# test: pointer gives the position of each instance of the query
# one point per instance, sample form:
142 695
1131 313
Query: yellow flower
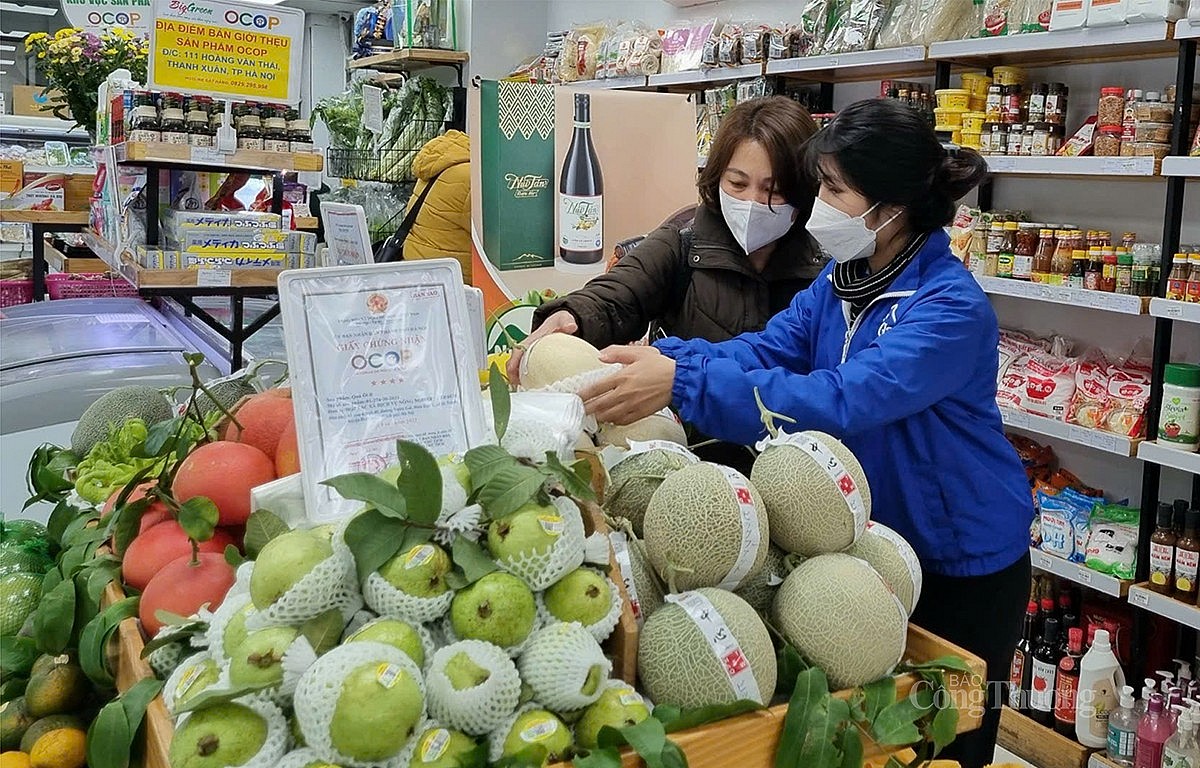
41 54
64 32
110 51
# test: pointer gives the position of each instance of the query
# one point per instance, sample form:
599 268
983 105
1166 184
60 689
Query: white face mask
842 236
753 224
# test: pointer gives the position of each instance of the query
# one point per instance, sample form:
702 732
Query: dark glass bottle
1067 684
581 194
1046 656
1021 670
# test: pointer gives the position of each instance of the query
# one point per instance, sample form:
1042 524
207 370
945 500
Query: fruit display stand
1042 746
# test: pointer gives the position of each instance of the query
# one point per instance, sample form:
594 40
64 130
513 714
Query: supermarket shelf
1154 453
1073 166
1181 166
406 59
1175 310
1059 294
1187 30
43 217
1070 46
859 65
60 262
244 159
1175 610
609 83
1101 582
1072 433
702 77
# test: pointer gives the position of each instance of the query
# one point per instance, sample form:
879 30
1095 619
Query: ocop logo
247 19
377 360
119 18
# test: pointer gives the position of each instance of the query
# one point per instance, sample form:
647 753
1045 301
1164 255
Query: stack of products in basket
1007 244
1074 521
1071 14
1083 386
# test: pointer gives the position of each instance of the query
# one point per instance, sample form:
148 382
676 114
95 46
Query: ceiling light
34 10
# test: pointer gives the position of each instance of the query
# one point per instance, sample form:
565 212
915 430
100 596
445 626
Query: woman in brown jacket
743 259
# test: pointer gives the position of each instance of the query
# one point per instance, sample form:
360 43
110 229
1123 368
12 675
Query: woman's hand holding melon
641 388
561 321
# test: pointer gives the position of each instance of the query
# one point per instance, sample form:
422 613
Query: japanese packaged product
683 45
756 40
853 25
1112 544
1069 14
1089 405
1049 384
813 27
1065 520
1129 393
1010 391
729 46
1156 10
580 50
1105 13
1031 15
996 18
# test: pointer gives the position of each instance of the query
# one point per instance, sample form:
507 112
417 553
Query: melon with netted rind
633 480
656 426
677 665
816 493
894 559
706 526
760 591
838 612
556 357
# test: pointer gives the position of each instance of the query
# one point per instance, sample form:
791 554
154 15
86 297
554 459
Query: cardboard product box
216 240
28 100
517 173
20 191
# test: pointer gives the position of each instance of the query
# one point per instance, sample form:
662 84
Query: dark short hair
782 127
889 154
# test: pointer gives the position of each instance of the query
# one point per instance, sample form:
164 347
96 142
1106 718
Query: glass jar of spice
1178 279
1013 103
1108 278
1079 264
1060 263
1095 269
994 106
174 127
1037 102
1111 109
275 129
1043 256
143 125
1006 258
1107 142
1024 251
1124 272
1056 104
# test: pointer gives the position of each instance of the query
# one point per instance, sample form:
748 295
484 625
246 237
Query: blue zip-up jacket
909 387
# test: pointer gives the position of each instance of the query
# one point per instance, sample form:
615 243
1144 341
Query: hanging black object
392 249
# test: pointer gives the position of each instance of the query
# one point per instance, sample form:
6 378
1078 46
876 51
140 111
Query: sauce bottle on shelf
1125 274
977 251
1095 270
995 240
1021 669
1162 552
1006 258
1178 279
1043 257
1079 264
1108 278
1066 612
1043 681
1122 730
1067 684
1193 283
1187 558
1060 262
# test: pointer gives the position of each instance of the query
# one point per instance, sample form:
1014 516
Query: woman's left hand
639 390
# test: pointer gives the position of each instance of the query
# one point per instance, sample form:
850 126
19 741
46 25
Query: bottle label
581 223
249 142
1174 758
1162 557
1041 694
200 140
276 145
1186 565
1176 289
1096 703
1193 291
1004 265
1179 419
1120 743
175 137
143 136
1022 267
1064 696
1149 754
1016 673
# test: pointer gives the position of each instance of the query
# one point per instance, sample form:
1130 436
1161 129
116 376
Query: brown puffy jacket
716 296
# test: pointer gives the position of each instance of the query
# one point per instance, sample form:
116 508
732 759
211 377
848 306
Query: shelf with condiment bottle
1121 303
1130 167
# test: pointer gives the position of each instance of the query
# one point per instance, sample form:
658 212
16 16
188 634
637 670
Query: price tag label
214 278
1083 576
207 155
373 108
833 62
1001 165
1042 560
1174 309
1139 597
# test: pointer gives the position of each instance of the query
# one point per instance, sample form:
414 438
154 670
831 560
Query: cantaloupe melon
635 478
760 591
816 493
556 357
706 526
641 583
840 615
894 559
656 426
678 666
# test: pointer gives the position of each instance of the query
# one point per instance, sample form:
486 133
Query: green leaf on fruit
93 641
212 696
160 439
137 700
851 748
198 518
168 619
810 692
472 559
533 756
374 538
110 739
126 521
878 696
501 400
261 527
944 727
60 518
485 461
943 663
55 618
510 489
896 725
609 757
372 489
648 739
180 633
325 631
17 655
234 557
675 719
420 482
573 482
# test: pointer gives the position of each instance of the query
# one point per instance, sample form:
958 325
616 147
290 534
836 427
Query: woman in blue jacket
893 351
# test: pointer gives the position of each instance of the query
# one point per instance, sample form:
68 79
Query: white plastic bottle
1122 730
1181 750
1100 680
117 80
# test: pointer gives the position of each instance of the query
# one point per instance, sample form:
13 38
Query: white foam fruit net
479 710
330 584
386 600
601 629
299 758
215 635
276 744
541 569
556 664
241 581
321 685
497 738
181 681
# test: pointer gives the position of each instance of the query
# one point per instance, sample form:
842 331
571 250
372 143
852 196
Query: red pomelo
183 587
151 551
224 472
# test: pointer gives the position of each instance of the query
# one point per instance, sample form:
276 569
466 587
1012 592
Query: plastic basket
88 286
14 292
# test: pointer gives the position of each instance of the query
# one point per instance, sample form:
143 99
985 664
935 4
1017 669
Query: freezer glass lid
38 340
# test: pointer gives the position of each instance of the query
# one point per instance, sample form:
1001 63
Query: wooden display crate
1042 746
74 265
